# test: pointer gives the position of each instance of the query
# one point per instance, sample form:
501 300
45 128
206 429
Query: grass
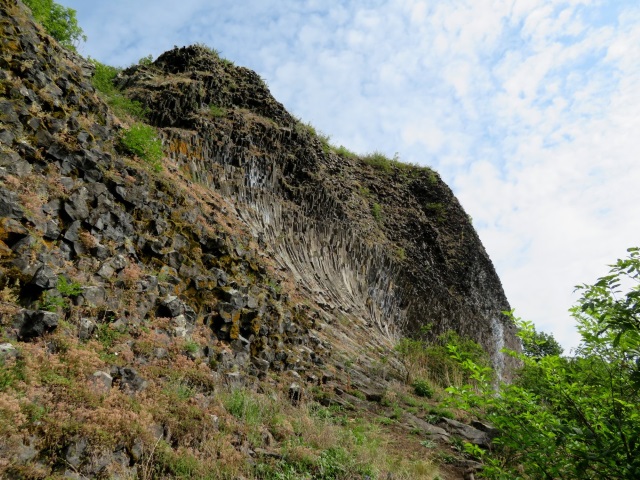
217 111
142 140
376 211
103 81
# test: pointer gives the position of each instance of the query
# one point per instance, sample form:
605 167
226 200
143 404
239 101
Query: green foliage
539 344
51 302
103 77
422 388
68 289
146 61
344 152
573 417
59 21
217 111
376 211
103 80
439 210
378 160
142 140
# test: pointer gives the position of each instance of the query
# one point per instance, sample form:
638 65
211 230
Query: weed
438 209
376 211
142 140
191 347
378 160
428 444
344 152
146 61
51 302
217 111
422 388
103 81
68 289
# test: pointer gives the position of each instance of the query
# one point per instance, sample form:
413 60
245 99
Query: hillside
217 309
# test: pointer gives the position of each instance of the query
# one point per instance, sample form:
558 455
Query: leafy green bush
103 81
576 417
376 211
422 388
142 140
68 289
60 22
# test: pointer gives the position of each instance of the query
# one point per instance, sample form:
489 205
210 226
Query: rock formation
258 244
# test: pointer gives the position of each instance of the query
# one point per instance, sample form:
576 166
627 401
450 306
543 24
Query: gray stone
92 296
7 350
261 364
102 381
76 207
86 329
74 452
32 324
172 307
295 393
45 278
426 428
467 432
130 381
9 204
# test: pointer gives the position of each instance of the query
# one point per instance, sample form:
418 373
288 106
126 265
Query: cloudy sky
529 109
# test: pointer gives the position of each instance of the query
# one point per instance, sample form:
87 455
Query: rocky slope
257 248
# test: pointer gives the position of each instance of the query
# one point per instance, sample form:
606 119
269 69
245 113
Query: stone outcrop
258 248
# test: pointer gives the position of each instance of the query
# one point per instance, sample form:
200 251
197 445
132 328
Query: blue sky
529 109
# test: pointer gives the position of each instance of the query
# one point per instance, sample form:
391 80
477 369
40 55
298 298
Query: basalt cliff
254 255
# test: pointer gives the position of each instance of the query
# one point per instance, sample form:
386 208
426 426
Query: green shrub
68 289
376 211
572 417
422 388
344 152
103 77
142 140
60 22
378 160
217 111
103 81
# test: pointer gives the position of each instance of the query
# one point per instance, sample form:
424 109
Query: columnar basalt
312 208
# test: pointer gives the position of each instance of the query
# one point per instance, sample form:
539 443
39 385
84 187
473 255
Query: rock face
390 246
415 261
258 247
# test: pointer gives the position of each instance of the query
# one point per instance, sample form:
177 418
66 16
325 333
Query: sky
528 109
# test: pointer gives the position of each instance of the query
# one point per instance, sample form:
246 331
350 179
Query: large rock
32 324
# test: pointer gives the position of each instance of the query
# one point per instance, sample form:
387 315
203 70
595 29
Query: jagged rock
128 379
86 329
102 381
172 306
467 432
32 324
9 205
92 296
45 278
7 350
295 393
426 428
74 452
